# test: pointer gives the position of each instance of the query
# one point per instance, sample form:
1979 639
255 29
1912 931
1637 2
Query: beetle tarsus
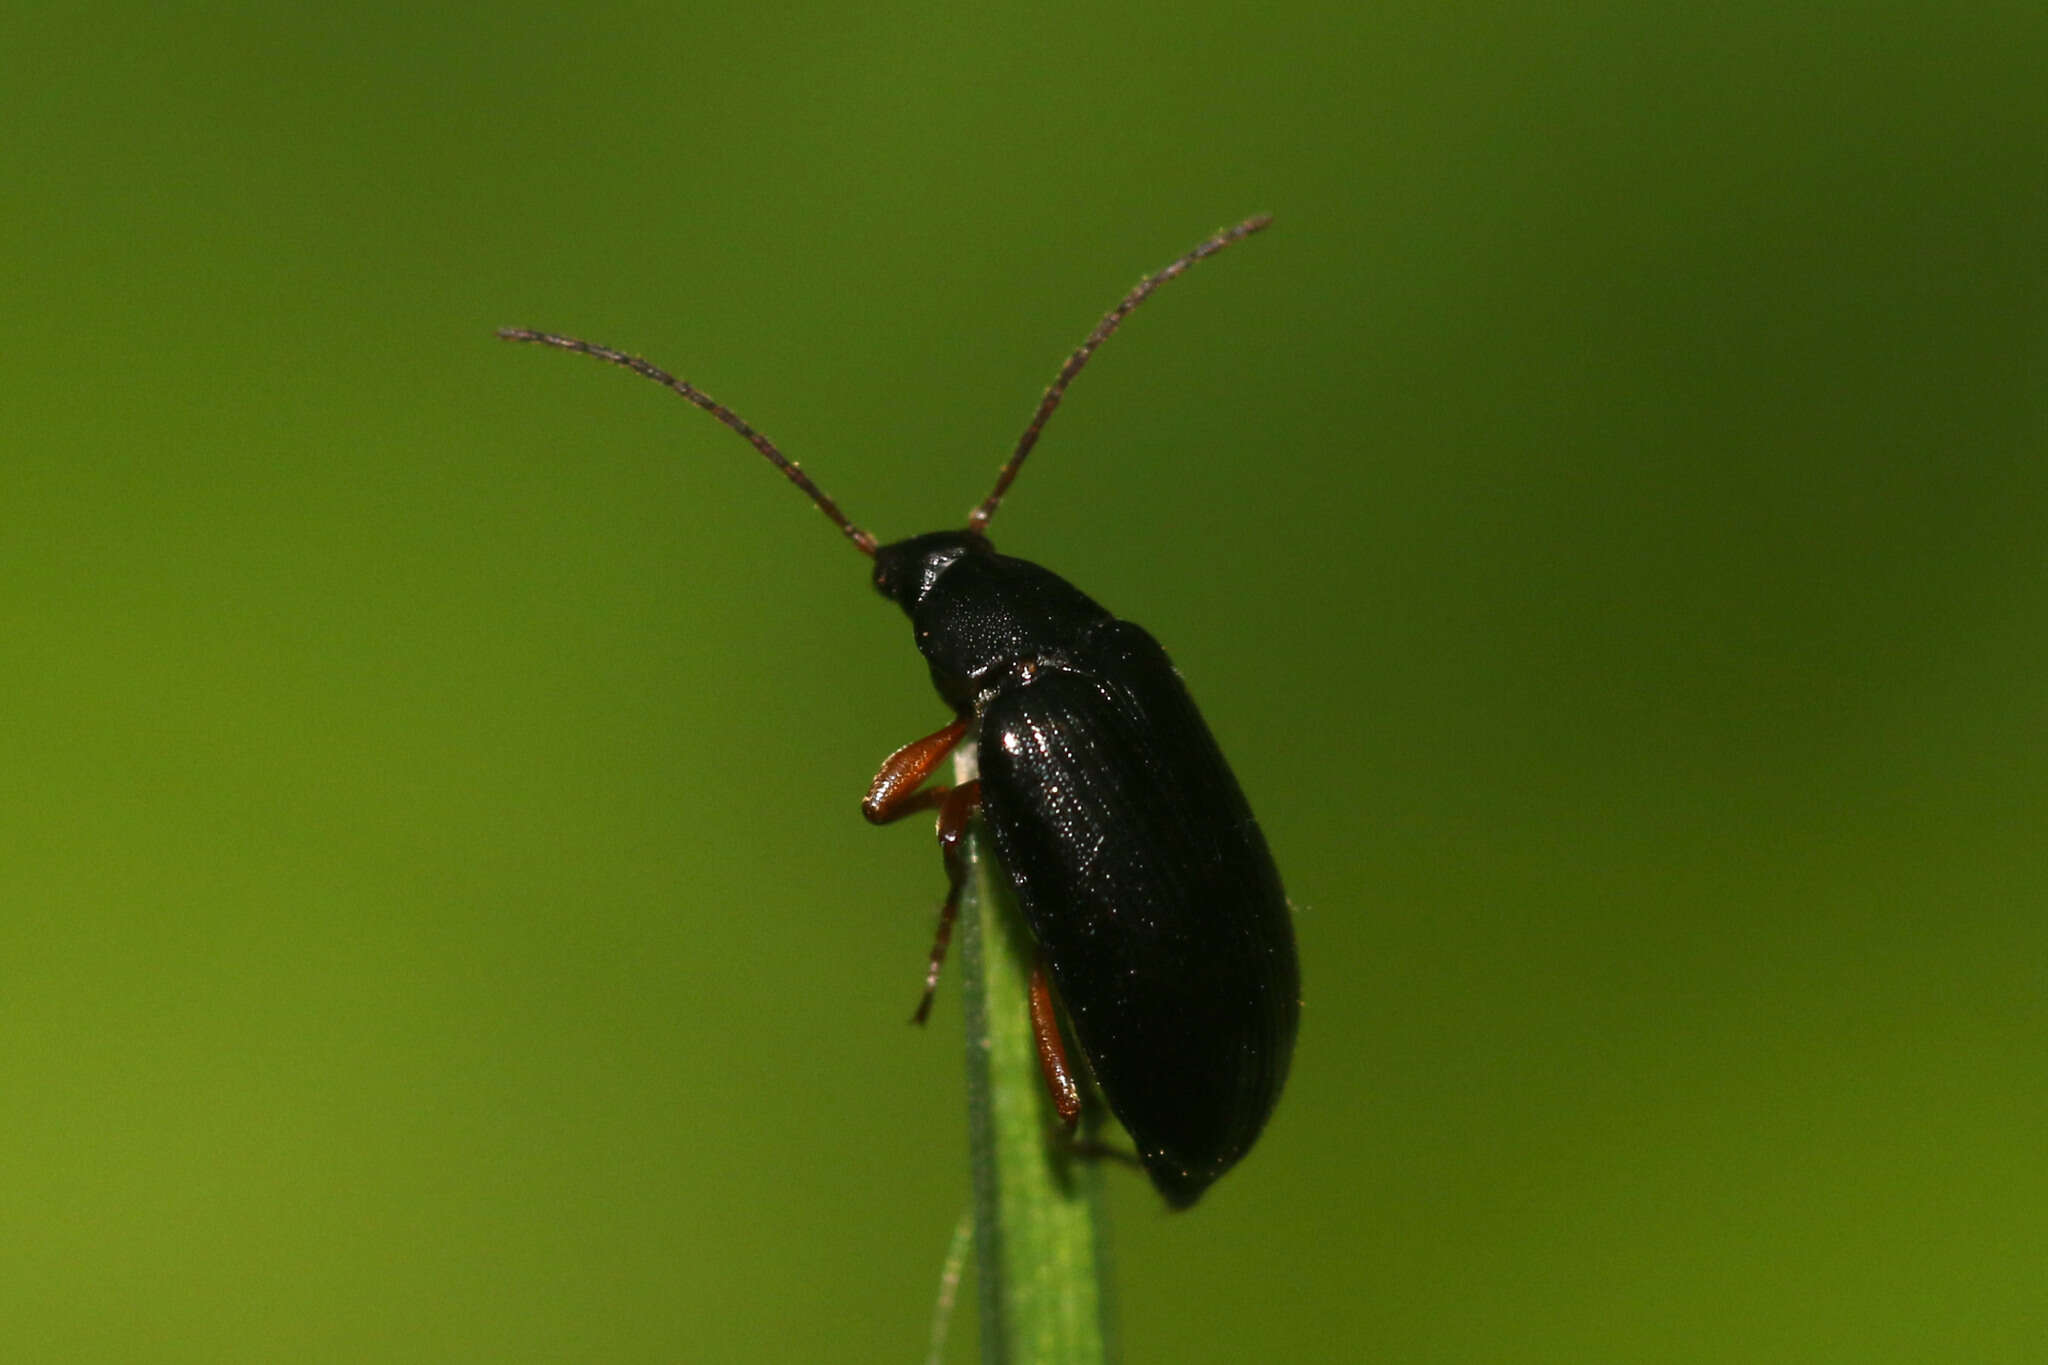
957 808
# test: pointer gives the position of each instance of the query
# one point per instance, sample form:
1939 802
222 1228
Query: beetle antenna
791 470
978 520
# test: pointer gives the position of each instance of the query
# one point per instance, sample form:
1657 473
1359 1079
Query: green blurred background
1603 519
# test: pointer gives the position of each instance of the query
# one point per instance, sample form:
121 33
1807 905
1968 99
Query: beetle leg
957 806
894 792
898 790
1052 1054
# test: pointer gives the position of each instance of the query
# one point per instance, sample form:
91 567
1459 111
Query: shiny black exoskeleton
1136 861
1147 886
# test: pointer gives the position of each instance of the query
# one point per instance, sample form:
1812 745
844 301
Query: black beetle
1148 888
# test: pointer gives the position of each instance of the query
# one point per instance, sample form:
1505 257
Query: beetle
1153 901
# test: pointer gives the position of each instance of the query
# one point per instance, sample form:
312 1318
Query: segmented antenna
978 520
792 471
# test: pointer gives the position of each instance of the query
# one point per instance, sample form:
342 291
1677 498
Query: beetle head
906 570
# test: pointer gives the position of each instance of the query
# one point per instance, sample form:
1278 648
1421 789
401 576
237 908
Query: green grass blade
1041 1260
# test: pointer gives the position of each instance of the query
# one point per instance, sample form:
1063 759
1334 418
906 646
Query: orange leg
894 792
898 790
1052 1054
